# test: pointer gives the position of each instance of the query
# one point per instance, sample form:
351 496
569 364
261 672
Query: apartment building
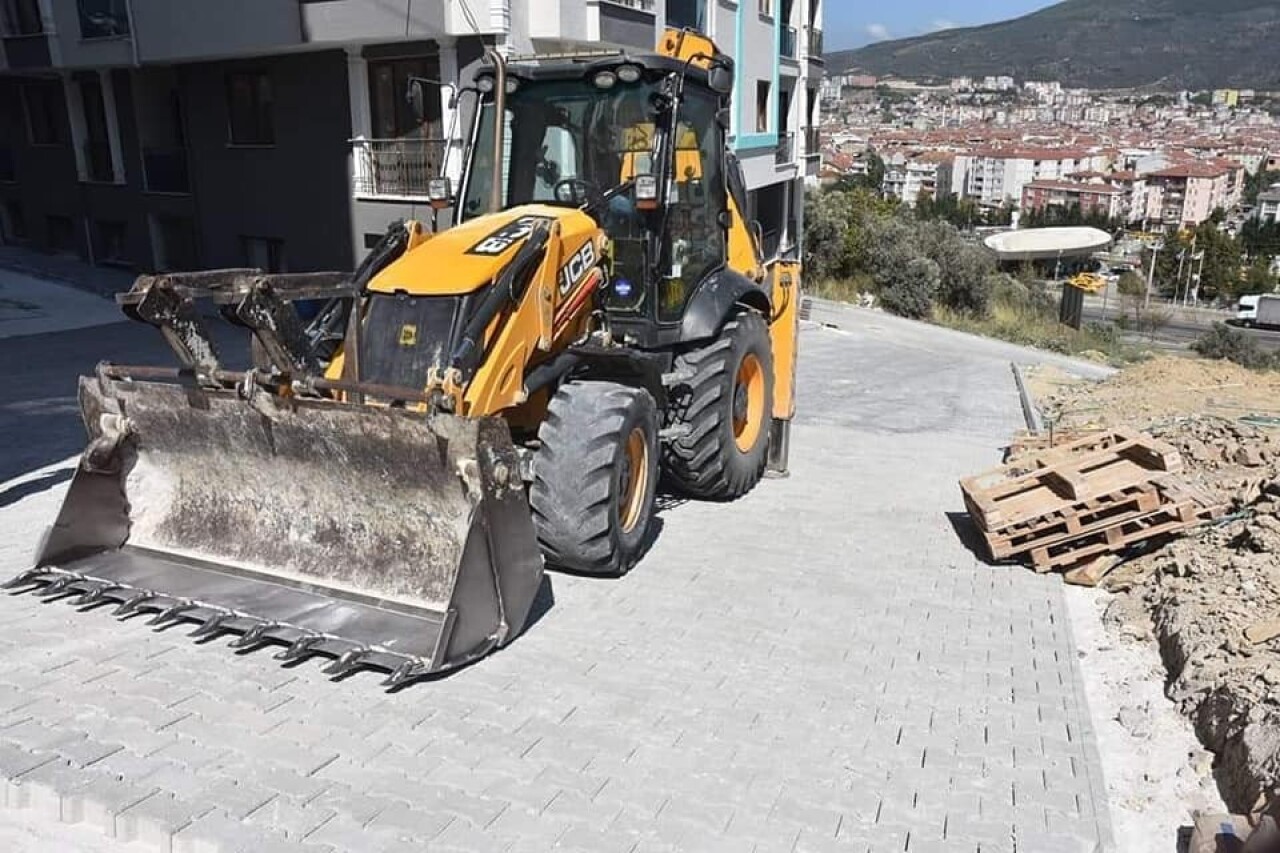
169 134
997 176
1187 194
907 178
1090 198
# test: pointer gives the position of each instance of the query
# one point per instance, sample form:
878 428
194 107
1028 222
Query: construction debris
1069 506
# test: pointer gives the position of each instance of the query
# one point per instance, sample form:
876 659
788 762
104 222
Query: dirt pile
1211 599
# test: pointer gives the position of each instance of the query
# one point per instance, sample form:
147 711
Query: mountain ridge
1098 44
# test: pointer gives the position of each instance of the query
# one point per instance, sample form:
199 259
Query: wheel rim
634 480
748 403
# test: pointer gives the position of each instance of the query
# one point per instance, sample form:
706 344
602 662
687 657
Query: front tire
726 407
594 477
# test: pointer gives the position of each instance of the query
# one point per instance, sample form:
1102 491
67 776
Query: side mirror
417 98
720 78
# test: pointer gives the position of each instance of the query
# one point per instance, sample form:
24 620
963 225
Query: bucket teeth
26 578
213 624
173 611
405 672
346 662
132 603
94 594
255 636
299 648
58 586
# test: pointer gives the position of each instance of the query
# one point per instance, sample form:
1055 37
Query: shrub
909 290
1225 343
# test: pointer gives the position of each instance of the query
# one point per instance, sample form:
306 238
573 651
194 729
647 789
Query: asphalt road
1183 329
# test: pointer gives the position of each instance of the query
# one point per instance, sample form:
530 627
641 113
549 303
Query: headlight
628 73
485 83
605 80
512 84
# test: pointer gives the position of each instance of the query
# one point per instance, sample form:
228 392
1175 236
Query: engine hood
467 257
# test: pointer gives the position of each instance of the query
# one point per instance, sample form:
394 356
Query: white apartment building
997 176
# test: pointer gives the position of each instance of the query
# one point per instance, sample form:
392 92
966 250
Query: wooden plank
1092 572
1163 522
1057 529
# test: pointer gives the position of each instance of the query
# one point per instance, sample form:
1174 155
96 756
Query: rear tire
727 406
595 476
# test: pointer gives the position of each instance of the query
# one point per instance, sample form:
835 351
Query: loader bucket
382 537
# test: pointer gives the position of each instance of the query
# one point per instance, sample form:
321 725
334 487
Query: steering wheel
576 191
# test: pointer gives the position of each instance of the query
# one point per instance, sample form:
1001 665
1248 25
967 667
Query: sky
853 23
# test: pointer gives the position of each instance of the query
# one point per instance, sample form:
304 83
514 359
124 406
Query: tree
1133 293
908 291
1258 278
1257 182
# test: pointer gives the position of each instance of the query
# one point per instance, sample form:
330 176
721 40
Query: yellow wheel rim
748 403
635 480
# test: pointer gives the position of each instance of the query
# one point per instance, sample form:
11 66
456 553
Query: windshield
562 130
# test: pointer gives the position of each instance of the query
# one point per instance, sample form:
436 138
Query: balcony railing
638 5
786 150
812 142
396 167
97 162
165 170
815 44
789 42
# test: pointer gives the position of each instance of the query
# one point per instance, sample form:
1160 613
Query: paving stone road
821 666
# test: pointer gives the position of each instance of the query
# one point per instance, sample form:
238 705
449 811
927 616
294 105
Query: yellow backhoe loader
384 485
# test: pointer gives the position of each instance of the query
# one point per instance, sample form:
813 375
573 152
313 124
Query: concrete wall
296 190
362 20
175 30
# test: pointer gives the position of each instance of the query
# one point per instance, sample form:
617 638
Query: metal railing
789 42
638 5
815 44
165 170
396 167
786 151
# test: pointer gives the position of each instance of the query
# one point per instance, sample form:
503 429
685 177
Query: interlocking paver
819 666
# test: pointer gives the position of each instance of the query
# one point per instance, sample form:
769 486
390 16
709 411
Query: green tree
1133 293
1258 278
1257 182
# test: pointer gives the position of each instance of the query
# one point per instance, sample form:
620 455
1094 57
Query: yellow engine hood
468 256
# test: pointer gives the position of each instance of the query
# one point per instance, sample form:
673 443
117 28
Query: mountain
1099 44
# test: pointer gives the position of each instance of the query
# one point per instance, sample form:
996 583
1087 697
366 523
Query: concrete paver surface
822 665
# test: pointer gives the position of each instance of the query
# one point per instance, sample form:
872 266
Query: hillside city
1038 152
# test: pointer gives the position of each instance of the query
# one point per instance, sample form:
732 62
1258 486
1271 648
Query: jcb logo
507 236
572 272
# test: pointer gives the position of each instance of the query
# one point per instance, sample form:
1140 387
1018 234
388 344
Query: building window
103 19
174 238
20 18
392 114
250 109
108 240
687 14
263 253
97 144
766 8
762 106
44 106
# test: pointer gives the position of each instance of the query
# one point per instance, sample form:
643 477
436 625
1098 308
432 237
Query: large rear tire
726 406
594 477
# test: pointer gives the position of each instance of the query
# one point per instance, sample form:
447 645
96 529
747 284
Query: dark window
108 239
13 222
62 236
762 106
20 17
97 143
45 107
264 253
687 14
176 247
8 166
392 115
250 109
103 18
371 241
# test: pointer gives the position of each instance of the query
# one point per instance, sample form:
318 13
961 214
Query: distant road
1186 325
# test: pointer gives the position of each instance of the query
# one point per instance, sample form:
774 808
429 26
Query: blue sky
853 23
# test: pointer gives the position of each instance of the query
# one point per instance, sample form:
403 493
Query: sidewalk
65 269
36 305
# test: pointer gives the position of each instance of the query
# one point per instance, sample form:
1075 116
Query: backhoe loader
384 485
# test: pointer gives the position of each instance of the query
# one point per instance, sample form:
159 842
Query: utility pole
1177 282
1151 275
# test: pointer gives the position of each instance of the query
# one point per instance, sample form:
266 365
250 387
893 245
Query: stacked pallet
1073 506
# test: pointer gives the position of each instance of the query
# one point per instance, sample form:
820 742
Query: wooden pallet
1055 481
1168 520
1080 520
1024 444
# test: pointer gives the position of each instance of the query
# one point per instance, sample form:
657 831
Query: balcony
788 39
396 168
785 153
165 170
815 45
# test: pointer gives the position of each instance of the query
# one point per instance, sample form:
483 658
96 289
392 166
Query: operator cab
636 142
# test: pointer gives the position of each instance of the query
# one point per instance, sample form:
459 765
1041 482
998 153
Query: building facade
179 134
1091 199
